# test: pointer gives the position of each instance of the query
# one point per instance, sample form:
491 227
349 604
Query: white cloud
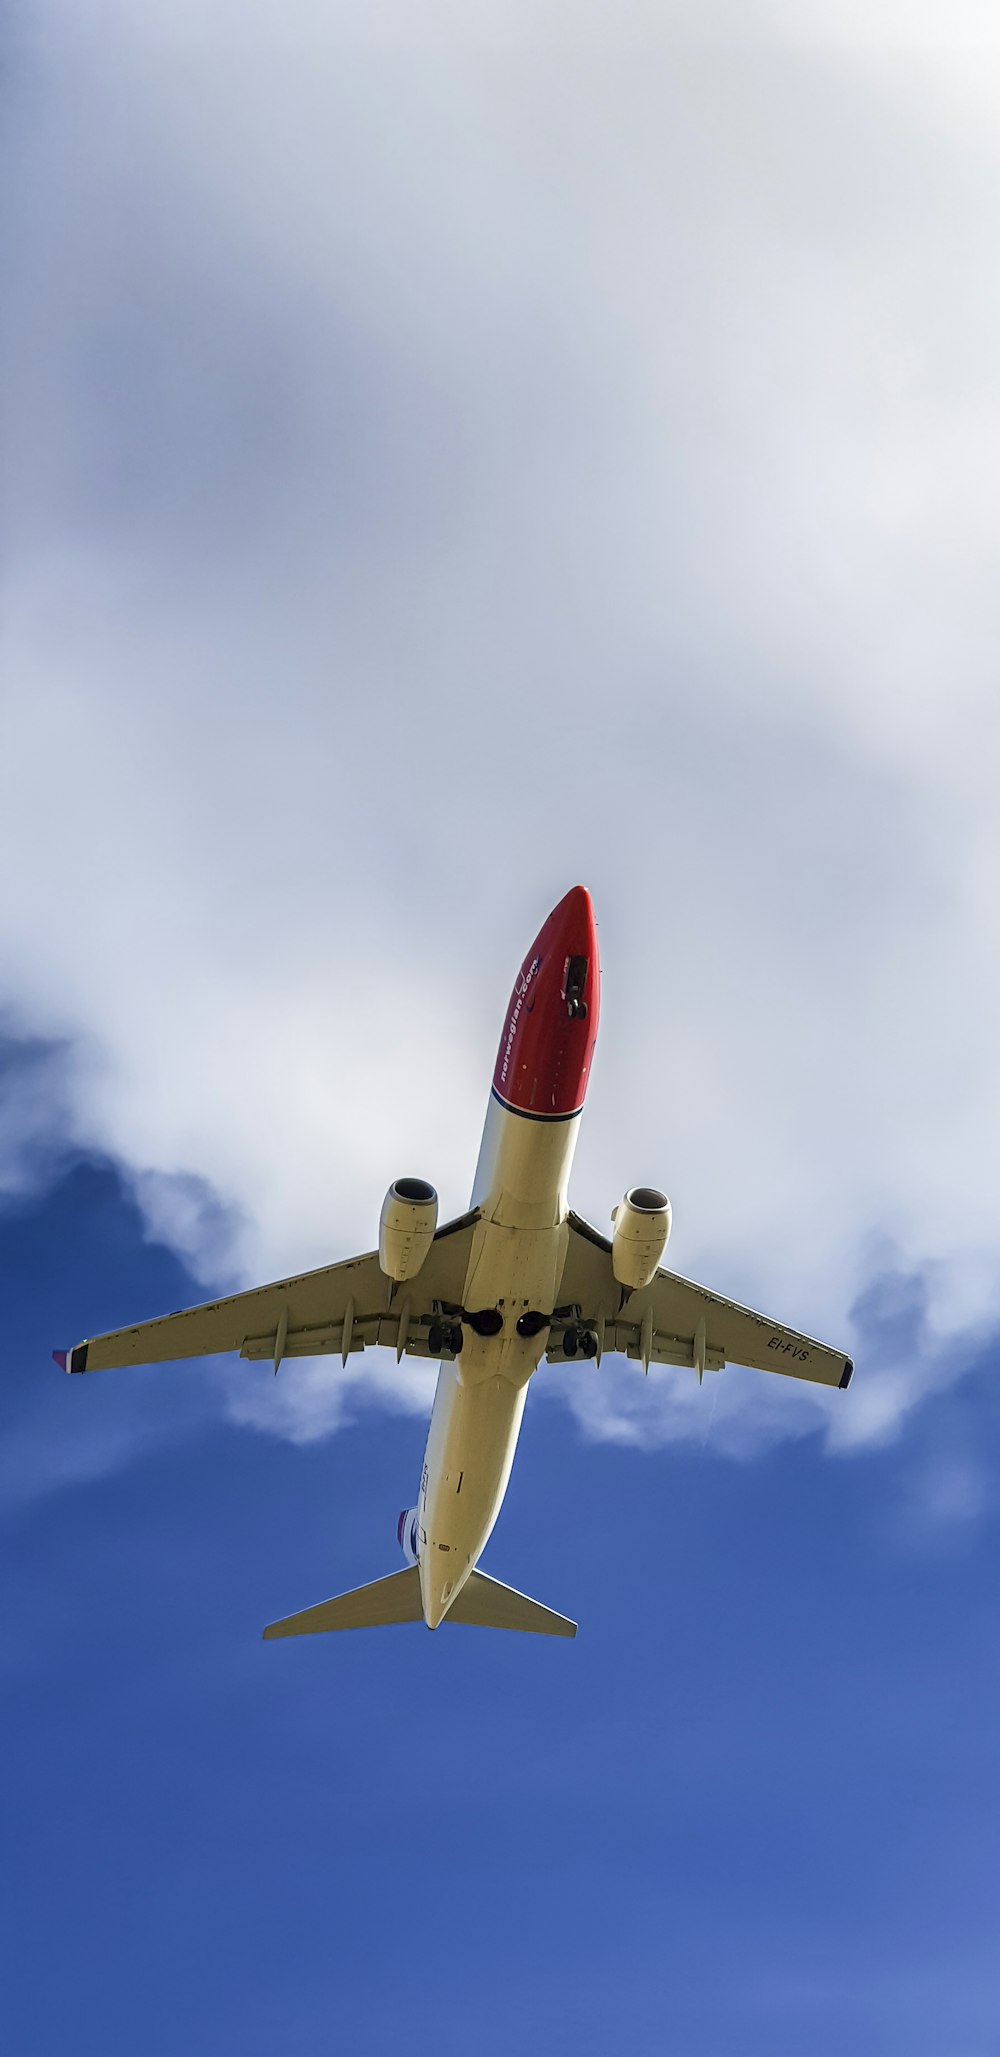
36 1096
564 447
315 1397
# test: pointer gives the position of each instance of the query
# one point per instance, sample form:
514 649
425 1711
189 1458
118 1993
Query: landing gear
487 1322
444 1335
580 1341
576 979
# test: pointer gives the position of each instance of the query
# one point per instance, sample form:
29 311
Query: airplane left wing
673 1321
338 1309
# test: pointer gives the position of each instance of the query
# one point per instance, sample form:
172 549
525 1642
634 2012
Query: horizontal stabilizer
484 1603
387 1600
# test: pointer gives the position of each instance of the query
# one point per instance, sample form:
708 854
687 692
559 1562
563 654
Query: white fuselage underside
517 1259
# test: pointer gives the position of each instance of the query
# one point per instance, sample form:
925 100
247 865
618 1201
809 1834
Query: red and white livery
517 1279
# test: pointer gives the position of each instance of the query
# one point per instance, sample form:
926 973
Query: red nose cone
551 1027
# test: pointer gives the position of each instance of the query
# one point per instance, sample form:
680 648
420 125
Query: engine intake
406 1229
642 1230
408 1533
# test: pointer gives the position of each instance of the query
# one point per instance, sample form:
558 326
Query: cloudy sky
449 453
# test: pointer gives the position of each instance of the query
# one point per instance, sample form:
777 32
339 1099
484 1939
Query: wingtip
847 1374
72 1360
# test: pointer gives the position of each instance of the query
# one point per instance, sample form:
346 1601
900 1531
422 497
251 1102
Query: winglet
71 1360
847 1374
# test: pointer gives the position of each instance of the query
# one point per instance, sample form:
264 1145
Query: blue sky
752 1806
449 455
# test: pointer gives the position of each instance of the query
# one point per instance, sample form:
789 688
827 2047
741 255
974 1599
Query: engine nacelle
408 1533
642 1228
406 1229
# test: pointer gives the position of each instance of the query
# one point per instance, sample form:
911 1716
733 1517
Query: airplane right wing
338 1309
673 1321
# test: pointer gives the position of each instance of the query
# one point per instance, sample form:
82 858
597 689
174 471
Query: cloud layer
446 463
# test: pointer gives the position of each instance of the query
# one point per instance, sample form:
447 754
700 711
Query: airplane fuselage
518 1250
518 1277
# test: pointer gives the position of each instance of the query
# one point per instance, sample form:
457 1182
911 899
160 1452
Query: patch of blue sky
751 1806
428 482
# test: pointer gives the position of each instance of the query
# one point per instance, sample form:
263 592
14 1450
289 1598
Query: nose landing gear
576 979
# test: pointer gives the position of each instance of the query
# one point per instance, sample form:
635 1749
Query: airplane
517 1278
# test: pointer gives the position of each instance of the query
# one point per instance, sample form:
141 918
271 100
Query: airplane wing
672 1321
341 1308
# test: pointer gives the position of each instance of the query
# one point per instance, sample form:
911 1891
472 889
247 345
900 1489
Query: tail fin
483 1603
396 1598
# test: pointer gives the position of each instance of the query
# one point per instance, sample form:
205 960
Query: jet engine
407 1533
406 1229
642 1227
